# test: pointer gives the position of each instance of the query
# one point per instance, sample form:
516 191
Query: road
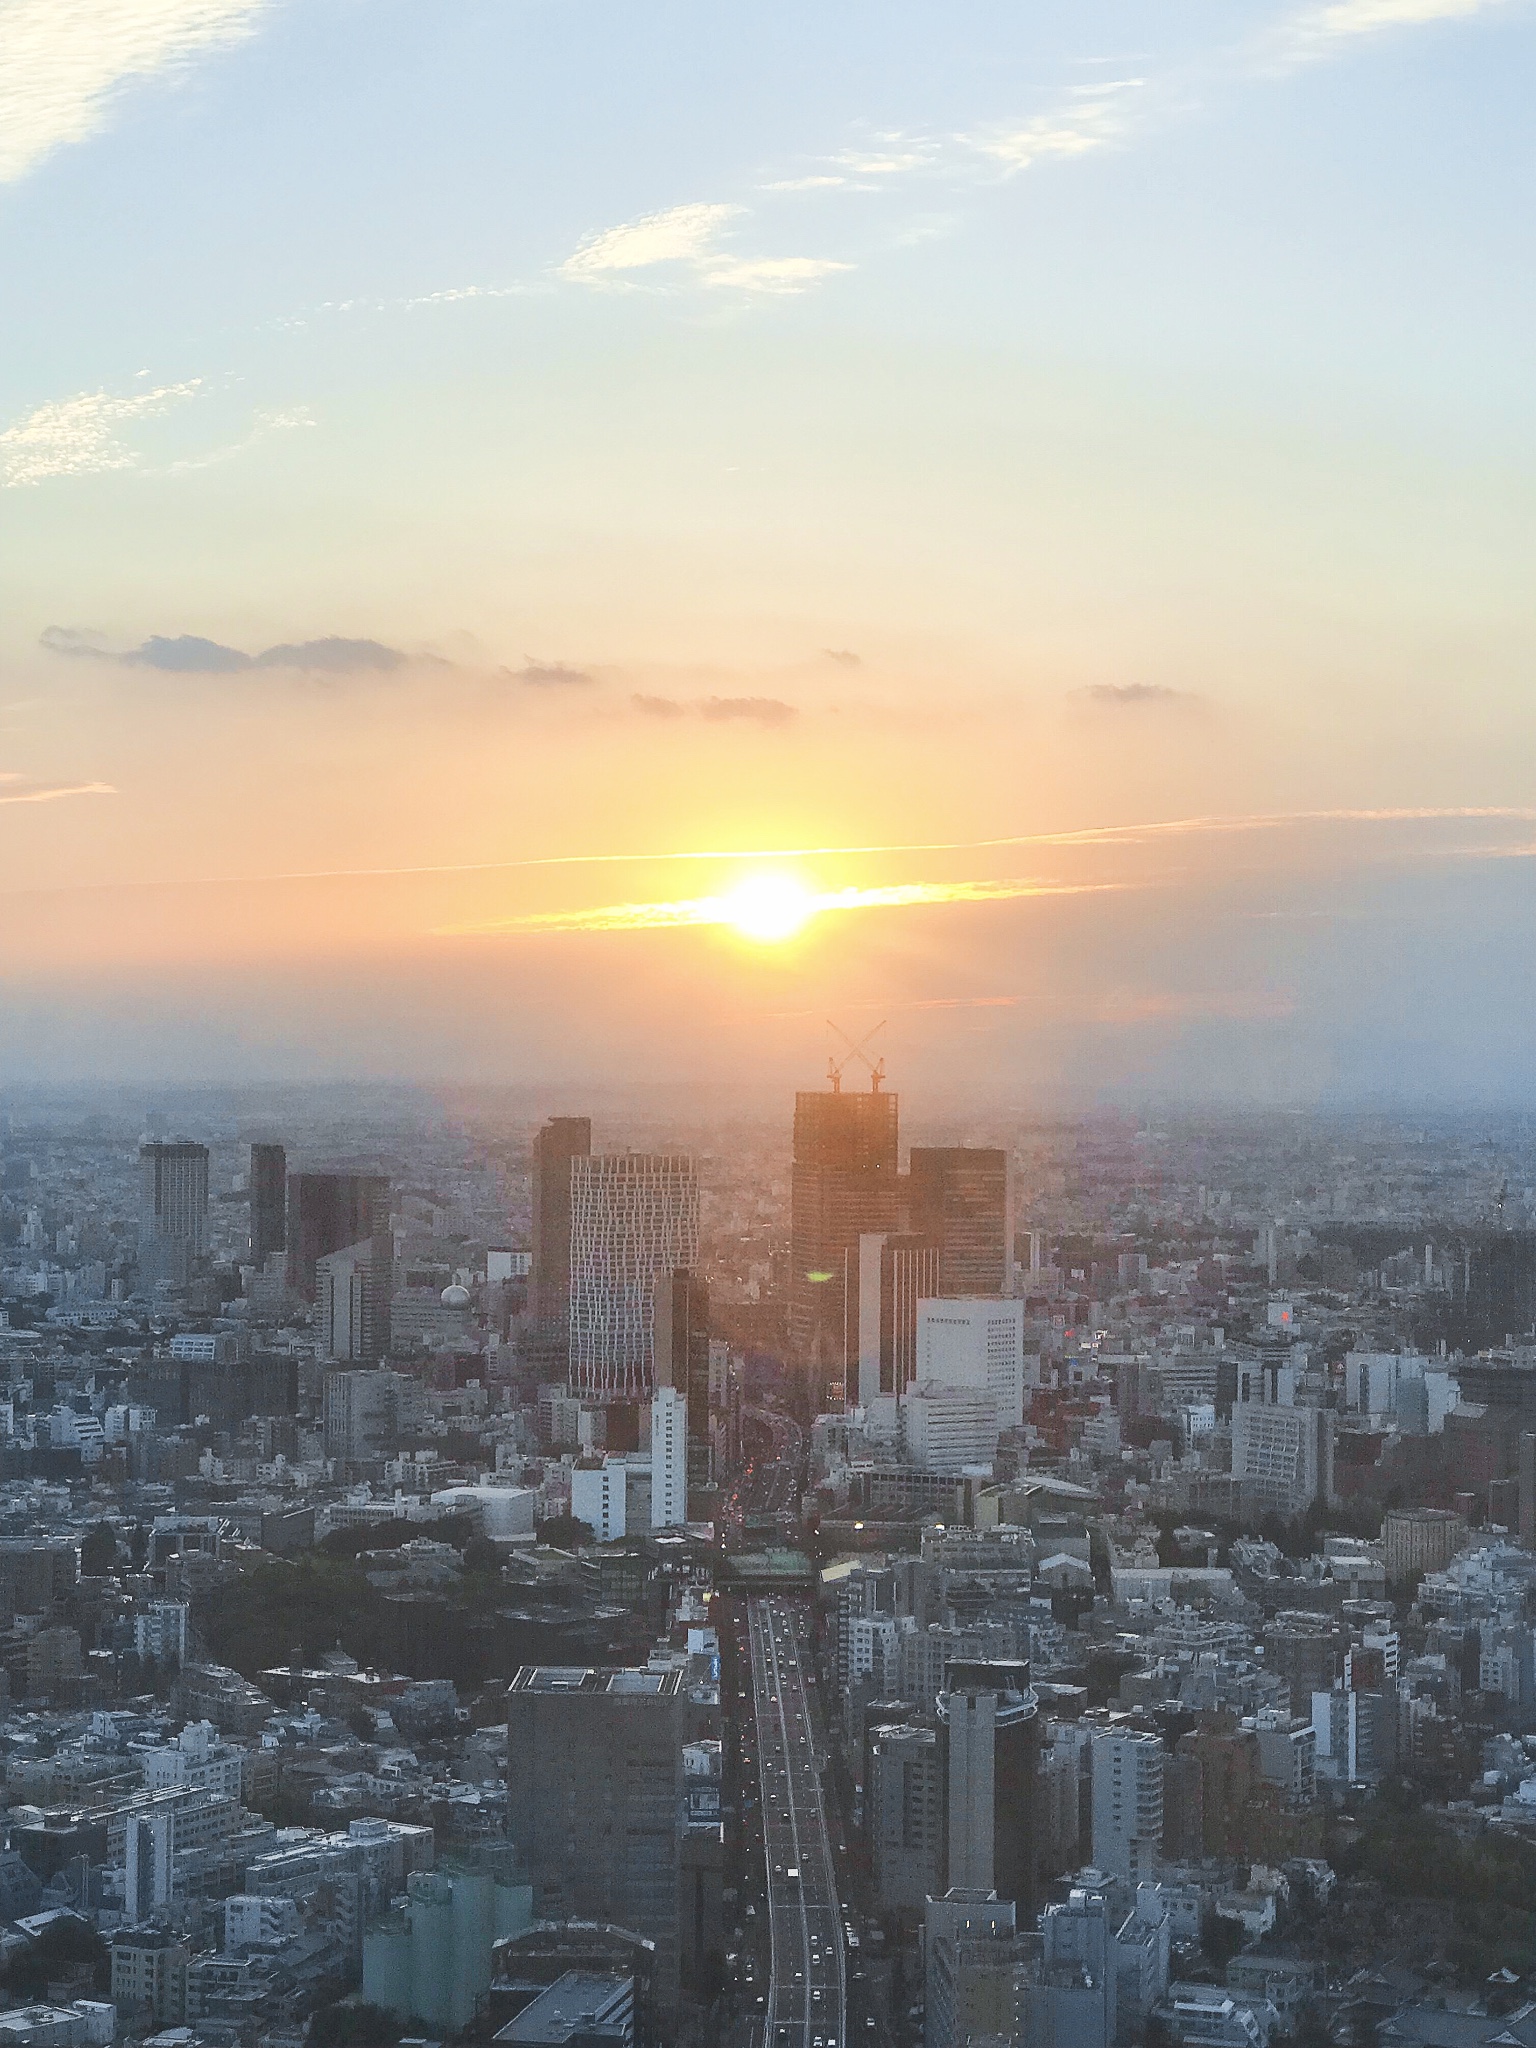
807 1993
769 1482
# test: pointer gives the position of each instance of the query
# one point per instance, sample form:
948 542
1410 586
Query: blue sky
878 422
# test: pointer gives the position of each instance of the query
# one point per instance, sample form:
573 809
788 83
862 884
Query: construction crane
836 1066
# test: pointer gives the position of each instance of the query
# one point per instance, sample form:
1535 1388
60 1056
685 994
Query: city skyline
1050 492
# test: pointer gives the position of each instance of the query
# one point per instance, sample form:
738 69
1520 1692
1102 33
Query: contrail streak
1089 835
52 793
721 910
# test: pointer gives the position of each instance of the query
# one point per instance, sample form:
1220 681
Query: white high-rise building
634 1220
669 1459
947 1428
975 1343
161 1631
1284 1456
598 1497
347 1305
1127 1804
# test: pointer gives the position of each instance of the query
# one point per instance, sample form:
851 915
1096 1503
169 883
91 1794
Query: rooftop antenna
836 1066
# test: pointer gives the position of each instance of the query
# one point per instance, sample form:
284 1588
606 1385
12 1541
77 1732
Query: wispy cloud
687 238
22 789
1138 697
1090 118
549 675
64 62
1085 119
263 427
756 710
683 234
870 164
719 710
190 654
1319 31
772 273
725 910
80 436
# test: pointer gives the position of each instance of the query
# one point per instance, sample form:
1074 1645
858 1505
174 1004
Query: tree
98 1551
62 1943
565 1532
1222 1940
354 2026
481 1555
138 1546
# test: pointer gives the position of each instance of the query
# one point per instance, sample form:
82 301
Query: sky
1047 489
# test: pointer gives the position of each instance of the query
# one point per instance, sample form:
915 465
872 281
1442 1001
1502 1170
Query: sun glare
769 908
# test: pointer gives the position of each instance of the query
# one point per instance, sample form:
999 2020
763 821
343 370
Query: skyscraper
269 1202
681 1346
989 1735
976 1343
843 1185
669 1459
595 1798
329 1210
148 1863
894 1273
173 1208
350 1319
958 1198
562 1140
336 1210
1128 1804
634 1222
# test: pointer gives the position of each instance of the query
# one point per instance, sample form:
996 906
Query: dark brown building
562 1140
958 1199
843 1184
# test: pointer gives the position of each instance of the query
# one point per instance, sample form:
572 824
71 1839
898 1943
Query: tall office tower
173 1208
990 1739
562 1140
1127 1804
669 1459
903 1808
269 1202
329 1210
350 1318
894 1273
843 1185
595 1798
682 1349
361 1413
958 1198
336 1210
148 1863
975 1343
634 1222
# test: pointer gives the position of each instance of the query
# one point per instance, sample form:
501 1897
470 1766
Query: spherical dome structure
455 1297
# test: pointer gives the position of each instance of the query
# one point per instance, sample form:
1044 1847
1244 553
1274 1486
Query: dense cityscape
475 1575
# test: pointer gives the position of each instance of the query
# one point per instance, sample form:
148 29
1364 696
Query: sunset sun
769 908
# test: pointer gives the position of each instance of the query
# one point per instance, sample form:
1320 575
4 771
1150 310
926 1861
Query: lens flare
769 908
